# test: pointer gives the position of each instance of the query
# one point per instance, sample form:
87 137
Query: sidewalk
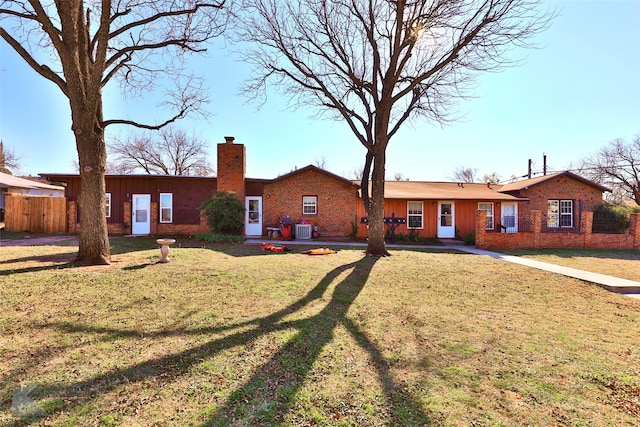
610 283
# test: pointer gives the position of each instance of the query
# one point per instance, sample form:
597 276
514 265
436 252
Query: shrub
412 238
611 218
470 239
224 213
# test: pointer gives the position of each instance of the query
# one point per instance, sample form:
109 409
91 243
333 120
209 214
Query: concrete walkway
613 284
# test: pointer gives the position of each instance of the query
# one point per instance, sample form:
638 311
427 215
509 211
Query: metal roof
8 181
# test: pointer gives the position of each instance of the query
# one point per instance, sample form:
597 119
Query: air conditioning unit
303 231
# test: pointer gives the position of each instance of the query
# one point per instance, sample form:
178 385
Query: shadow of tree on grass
265 399
267 396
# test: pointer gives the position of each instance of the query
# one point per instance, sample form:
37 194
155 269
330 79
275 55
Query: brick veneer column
154 218
634 230
586 227
536 227
72 216
481 224
127 218
203 227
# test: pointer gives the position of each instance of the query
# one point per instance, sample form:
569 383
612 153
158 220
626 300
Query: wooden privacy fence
35 214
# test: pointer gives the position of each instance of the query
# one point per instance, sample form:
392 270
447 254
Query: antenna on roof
544 164
529 173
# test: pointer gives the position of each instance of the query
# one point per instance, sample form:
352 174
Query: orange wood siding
464 216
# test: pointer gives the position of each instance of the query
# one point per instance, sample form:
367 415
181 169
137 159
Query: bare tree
8 159
378 63
462 174
491 178
398 176
82 45
616 165
171 152
322 162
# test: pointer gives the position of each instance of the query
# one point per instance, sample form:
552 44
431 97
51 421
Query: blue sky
574 94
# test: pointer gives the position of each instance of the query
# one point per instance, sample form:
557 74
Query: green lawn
225 334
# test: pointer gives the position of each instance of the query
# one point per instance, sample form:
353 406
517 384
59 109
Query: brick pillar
231 167
481 230
127 218
72 216
634 230
155 219
203 227
586 228
536 227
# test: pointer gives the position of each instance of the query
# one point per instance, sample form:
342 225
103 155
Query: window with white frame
309 205
166 207
560 213
566 213
414 214
488 208
108 204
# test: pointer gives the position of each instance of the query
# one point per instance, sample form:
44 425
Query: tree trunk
94 238
375 242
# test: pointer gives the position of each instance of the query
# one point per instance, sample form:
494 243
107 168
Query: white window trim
569 214
310 201
559 215
421 215
108 204
169 207
490 218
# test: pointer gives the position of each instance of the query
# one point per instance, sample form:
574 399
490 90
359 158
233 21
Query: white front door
141 214
253 216
446 220
510 217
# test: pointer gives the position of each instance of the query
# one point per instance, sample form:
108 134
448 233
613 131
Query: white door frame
446 230
253 217
141 214
514 228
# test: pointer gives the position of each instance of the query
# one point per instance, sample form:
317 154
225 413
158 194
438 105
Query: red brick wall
336 202
560 188
231 168
536 239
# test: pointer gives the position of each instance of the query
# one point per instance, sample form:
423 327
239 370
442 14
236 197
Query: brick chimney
231 167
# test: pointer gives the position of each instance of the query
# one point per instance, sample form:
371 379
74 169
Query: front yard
617 263
225 334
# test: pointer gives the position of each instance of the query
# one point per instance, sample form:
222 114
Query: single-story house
14 184
312 198
315 199
448 209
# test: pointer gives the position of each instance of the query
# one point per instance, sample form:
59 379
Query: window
560 213
309 205
108 204
166 207
566 213
488 208
414 214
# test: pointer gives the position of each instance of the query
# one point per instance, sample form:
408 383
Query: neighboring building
322 201
14 184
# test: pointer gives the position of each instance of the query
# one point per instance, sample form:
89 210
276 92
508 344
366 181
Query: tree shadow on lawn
267 396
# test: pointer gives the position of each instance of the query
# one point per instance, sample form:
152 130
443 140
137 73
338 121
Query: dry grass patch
229 335
617 263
